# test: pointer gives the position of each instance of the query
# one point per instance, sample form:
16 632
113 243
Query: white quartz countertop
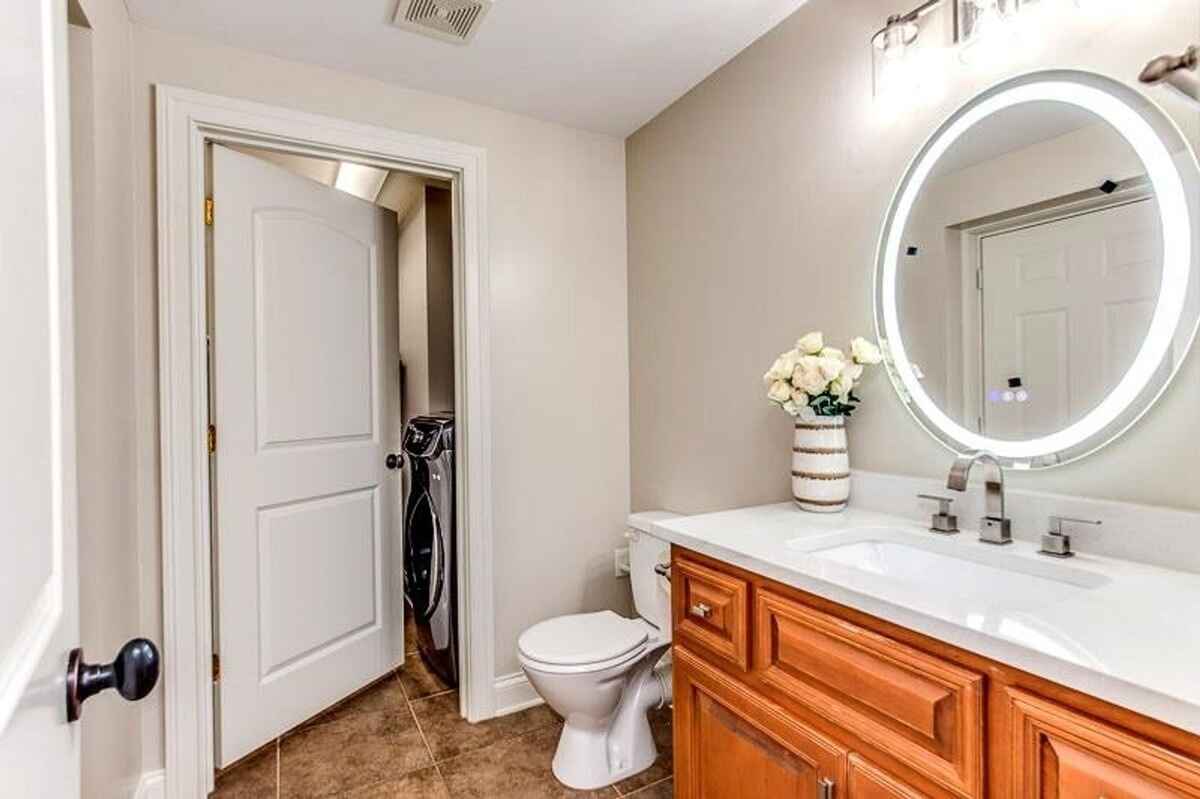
1122 631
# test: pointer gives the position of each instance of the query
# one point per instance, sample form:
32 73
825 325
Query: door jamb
185 121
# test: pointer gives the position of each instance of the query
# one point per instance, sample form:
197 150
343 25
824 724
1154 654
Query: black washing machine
430 567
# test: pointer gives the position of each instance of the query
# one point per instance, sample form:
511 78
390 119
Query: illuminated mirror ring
1172 171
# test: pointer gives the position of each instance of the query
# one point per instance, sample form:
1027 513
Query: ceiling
599 65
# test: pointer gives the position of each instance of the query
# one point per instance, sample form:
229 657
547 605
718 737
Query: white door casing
186 121
39 750
306 389
1065 306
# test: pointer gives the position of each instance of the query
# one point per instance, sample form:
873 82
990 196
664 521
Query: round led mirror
1037 281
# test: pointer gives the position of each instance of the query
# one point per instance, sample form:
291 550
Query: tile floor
402 737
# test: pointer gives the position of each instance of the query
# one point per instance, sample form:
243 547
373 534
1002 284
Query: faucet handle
1055 542
1057 522
943 502
943 521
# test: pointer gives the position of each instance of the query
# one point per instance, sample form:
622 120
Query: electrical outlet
621 562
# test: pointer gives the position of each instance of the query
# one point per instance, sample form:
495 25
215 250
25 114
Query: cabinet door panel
731 745
1060 754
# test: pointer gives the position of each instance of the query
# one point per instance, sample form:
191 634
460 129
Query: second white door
1065 306
306 405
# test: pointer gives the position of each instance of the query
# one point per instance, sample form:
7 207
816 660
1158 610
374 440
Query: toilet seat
583 642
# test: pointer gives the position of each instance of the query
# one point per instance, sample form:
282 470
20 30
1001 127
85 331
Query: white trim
514 693
152 785
185 121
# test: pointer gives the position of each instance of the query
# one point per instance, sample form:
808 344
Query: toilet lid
582 639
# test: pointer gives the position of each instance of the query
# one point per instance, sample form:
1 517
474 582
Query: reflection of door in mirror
1065 305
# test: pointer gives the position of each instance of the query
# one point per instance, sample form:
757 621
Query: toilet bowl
603 672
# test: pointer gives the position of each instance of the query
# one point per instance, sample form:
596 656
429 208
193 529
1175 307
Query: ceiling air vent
449 20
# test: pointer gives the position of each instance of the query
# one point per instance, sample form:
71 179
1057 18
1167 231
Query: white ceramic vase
821 465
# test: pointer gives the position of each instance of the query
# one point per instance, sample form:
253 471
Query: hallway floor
402 737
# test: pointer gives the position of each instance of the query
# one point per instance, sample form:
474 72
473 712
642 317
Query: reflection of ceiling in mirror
1014 128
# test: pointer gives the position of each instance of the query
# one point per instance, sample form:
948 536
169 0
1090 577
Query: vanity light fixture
982 28
896 67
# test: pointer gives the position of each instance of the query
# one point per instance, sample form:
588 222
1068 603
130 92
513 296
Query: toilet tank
651 591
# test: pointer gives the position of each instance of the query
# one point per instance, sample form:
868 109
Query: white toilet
597 670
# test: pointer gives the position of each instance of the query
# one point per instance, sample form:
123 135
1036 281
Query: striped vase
821 465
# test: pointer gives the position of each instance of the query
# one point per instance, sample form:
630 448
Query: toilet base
582 759
597 753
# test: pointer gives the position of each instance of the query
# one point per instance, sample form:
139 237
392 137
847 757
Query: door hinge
209 207
825 788
216 667
212 439
979 280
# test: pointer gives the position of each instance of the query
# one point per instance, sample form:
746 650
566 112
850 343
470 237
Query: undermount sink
983 575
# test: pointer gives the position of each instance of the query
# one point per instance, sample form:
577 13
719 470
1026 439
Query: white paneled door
306 408
1065 306
39 749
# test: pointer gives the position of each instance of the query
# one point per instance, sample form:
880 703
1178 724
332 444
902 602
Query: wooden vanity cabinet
733 745
779 693
1059 753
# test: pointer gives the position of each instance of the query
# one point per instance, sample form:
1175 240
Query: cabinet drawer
922 710
864 780
1060 753
730 744
711 611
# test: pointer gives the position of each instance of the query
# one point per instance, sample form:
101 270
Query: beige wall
754 205
427 303
104 348
439 293
559 378
414 312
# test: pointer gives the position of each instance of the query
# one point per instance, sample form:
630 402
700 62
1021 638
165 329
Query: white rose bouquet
816 380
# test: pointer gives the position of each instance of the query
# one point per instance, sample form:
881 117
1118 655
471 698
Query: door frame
186 121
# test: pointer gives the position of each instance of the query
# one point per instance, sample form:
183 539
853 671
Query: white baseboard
513 693
152 785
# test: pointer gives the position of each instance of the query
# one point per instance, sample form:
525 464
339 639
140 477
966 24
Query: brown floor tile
419 681
425 783
410 633
659 790
660 725
518 768
386 694
252 778
356 751
450 735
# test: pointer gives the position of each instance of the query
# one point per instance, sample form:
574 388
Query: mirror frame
1172 170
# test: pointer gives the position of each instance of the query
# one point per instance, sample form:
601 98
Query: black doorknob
394 461
134 674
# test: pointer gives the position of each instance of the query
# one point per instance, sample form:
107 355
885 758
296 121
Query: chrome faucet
994 527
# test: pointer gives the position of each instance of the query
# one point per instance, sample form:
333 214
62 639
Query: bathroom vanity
815 658
1037 287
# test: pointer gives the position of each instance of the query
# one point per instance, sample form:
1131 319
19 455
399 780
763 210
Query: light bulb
987 40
